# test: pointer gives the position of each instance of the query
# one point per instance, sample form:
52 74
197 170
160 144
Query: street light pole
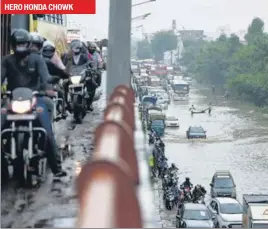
141 3
142 17
118 61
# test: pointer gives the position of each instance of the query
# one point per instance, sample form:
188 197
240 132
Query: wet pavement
54 204
236 141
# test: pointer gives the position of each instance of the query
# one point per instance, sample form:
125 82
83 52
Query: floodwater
54 204
237 140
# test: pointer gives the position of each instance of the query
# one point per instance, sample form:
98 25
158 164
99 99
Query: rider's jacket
187 184
31 72
76 60
96 58
151 160
56 72
80 59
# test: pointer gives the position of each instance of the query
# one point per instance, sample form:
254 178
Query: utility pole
119 45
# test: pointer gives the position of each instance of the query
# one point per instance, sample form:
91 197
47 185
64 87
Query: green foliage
163 41
243 68
144 50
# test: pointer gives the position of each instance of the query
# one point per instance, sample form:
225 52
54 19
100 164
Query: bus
181 90
53 27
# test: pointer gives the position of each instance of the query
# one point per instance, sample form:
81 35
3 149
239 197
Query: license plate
76 85
15 117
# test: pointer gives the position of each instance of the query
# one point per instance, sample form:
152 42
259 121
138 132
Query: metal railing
110 185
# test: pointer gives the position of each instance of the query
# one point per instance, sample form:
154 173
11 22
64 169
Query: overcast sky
208 15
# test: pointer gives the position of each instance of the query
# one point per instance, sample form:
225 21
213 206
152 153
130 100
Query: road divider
110 182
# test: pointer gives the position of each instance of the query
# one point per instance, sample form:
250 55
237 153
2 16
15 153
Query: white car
227 211
172 122
162 104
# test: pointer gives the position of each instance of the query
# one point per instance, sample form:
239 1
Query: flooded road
54 204
237 140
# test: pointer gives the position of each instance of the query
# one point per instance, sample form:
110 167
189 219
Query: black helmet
173 165
76 46
49 49
21 42
37 40
187 179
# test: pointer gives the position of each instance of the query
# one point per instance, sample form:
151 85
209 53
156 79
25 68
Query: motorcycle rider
75 57
187 183
36 47
95 57
192 108
37 42
151 164
56 72
26 69
174 167
198 191
160 143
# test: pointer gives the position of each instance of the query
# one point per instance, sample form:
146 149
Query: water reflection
236 141
78 167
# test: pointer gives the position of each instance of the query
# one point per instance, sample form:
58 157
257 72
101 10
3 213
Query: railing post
107 185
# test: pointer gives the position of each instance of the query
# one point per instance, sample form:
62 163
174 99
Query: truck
255 211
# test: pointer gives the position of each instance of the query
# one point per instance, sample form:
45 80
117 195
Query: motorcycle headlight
21 107
75 79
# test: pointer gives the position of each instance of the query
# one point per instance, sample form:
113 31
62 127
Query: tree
144 50
228 63
254 30
163 41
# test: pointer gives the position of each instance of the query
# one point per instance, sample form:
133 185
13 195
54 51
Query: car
192 215
196 132
223 185
172 122
227 212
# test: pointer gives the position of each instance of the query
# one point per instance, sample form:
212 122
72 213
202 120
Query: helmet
173 165
21 42
92 47
187 179
76 46
37 40
48 49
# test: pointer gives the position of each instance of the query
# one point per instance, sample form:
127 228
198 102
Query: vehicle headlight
21 107
75 79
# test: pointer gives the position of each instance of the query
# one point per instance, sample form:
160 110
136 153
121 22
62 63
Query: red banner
48 6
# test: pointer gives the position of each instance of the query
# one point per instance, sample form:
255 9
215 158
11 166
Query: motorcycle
23 144
187 196
169 200
77 98
58 109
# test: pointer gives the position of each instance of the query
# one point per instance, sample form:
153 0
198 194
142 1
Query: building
74 34
51 26
191 34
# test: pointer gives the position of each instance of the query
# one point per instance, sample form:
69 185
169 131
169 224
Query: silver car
192 215
227 212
